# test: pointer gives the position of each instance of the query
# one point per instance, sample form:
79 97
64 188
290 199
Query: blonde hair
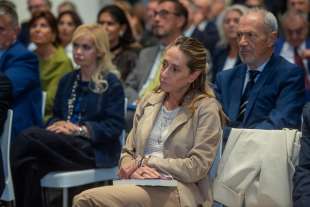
104 60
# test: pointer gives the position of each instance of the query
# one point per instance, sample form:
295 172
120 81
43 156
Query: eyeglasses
164 13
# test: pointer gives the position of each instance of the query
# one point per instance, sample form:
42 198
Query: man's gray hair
7 8
270 21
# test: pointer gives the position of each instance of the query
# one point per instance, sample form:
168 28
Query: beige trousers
128 196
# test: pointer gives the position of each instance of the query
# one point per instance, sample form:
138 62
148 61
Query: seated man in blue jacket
21 67
266 91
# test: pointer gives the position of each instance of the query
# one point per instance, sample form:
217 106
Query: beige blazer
189 149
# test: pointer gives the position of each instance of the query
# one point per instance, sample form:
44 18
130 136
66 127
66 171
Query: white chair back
44 95
8 192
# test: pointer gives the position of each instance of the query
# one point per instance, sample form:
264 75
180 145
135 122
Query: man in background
21 67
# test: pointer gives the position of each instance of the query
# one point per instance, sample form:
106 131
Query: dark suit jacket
219 58
301 191
276 100
21 67
209 36
5 98
103 115
24 36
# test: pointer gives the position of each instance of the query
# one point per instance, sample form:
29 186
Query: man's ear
272 39
16 31
181 22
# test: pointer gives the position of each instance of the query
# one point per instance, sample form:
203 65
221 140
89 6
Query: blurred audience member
134 21
33 6
206 30
170 20
67 22
53 61
301 196
265 91
66 6
226 53
191 24
254 3
87 121
301 6
148 38
21 67
5 100
295 46
114 21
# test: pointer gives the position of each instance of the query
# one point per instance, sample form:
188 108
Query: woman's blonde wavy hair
198 60
104 60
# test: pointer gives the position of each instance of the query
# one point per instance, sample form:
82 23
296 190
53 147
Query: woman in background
176 132
226 53
87 121
67 23
53 61
123 45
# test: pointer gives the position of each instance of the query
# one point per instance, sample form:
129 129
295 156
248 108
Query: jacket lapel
182 117
236 87
151 111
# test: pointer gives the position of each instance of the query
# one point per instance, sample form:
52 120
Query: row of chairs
62 180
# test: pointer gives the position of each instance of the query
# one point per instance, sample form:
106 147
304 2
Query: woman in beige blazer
176 132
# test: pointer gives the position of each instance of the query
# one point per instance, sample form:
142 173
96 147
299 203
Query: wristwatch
82 131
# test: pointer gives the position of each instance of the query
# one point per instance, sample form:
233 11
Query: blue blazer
21 67
301 180
103 115
276 100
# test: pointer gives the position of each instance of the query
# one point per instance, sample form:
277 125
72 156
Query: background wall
87 9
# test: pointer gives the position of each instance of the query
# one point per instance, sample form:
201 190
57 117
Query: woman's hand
63 127
125 171
145 172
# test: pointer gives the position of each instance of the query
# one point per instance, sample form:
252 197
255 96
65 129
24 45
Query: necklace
72 99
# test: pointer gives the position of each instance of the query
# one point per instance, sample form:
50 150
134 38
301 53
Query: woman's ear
193 76
122 31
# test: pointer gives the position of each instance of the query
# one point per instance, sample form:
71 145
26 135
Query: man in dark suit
301 192
295 45
206 31
21 67
169 21
266 91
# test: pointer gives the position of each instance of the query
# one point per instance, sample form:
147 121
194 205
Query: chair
44 95
69 179
8 192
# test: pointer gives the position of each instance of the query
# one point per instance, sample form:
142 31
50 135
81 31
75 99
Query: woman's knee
113 196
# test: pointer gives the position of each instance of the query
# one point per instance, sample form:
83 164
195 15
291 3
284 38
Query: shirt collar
261 67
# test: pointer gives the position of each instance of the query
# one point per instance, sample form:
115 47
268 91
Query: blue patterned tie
246 94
